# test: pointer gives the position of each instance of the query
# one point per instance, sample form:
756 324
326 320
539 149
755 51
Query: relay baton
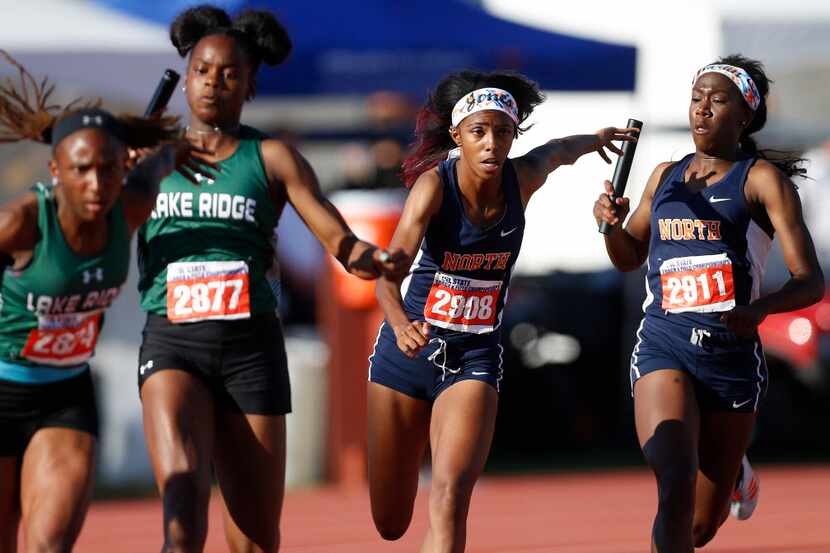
163 92
623 168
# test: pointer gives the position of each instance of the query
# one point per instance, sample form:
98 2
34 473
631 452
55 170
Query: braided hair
26 113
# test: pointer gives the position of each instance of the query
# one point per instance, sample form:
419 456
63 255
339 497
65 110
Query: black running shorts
26 408
243 362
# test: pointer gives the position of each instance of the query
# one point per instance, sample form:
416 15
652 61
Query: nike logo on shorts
481 373
503 234
736 405
714 200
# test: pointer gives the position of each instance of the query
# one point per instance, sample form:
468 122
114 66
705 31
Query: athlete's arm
18 228
423 202
628 247
534 167
768 187
285 164
143 181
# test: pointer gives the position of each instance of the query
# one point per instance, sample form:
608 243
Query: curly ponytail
25 111
26 114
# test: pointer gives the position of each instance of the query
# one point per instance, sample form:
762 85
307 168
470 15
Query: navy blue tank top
706 254
458 281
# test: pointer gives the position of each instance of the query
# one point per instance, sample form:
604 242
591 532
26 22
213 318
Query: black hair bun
193 24
267 35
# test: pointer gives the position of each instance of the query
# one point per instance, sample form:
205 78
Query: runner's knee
450 496
392 526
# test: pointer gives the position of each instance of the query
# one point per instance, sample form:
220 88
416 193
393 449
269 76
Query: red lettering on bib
207 290
699 283
67 339
463 304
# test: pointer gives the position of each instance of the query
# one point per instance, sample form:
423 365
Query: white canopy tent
88 49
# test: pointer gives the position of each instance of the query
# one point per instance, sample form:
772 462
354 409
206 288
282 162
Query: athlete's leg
56 479
398 427
667 419
724 438
250 466
463 420
9 503
179 428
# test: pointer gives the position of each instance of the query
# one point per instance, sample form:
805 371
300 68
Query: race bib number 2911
463 304
698 283
207 290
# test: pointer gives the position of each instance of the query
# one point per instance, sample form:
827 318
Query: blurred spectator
390 111
373 168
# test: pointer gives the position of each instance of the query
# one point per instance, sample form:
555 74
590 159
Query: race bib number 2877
207 290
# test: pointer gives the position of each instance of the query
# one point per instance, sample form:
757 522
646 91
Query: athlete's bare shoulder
18 224
427 193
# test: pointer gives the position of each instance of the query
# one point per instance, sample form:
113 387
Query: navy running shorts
729 372
442 363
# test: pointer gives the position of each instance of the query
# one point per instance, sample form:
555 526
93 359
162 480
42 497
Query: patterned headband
483 99
738 76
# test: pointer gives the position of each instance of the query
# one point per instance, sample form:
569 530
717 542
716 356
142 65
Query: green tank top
52 310
207 251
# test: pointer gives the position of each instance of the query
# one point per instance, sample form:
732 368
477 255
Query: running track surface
603 512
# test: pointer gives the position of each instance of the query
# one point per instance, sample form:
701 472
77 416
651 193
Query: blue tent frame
359 47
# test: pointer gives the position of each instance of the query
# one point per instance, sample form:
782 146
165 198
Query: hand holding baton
622 169
163 92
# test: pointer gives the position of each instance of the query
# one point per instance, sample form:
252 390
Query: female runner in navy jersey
435 371
705 225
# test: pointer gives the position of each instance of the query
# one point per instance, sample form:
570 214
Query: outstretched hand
610 209
368 262
607 136
180 156
392 264
190 164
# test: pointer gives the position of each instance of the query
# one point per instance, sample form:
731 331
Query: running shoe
747 489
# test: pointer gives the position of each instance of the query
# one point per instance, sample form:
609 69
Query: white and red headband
484 99
739 77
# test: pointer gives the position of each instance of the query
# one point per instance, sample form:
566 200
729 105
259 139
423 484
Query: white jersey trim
758 245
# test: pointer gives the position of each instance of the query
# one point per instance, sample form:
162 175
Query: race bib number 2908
698 283
463 304
207 290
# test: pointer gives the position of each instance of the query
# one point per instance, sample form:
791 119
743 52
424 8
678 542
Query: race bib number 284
61 340
207 290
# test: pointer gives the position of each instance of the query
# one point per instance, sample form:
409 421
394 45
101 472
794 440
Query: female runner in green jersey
212 368
64 252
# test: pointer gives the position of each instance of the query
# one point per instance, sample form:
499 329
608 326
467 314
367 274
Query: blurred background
347 99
